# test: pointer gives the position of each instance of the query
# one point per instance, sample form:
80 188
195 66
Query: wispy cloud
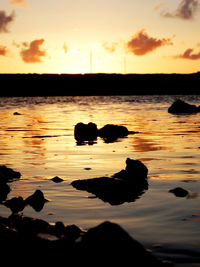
188 54
5 20
20 3
111 48
31 53
186 10
141 44
3 51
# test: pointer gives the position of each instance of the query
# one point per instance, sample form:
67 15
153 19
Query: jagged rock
36 200
181 107
179 192
8 174
124 186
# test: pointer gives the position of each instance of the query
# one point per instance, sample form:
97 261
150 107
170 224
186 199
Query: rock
85 132
16 204
36 201
57 179
111 244
4 190
181 107
124 186
135 169
179 192
111 132
17 113
7 174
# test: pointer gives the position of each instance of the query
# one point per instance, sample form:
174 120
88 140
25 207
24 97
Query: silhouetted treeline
98 84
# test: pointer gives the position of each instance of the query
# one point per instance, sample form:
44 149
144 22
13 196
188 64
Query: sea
37 139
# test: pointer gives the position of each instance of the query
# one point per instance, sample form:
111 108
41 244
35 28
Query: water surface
39 142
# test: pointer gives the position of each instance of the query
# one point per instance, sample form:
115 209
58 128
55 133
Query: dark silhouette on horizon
98 84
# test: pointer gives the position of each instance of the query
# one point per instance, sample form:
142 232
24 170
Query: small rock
16 204
85 132
17 113
8 174
57 179
181 107
179 192
36 201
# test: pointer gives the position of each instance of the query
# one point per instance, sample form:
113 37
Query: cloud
5 20
3 51
31 53
20 3
186 10
110 47
188 54
141 44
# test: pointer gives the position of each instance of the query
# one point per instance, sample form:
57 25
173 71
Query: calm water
40 144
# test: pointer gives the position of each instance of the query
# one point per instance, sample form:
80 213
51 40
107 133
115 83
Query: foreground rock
89 132
6 175
38 241
181 107
179 192
125 186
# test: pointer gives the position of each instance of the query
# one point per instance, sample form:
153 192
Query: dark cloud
141 44
3 51
110 47
20 3
188 54
31 53
185 10
5 20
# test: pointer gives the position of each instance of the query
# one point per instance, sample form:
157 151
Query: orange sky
111 36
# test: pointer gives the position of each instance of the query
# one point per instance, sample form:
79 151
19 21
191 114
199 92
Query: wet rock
8 174
57 179
110 243
85 132
179 192
36 201
17 113
181 107
16 204
4 191
111 132
125 186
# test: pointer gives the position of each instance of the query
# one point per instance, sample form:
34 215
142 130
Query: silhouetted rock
111 132
110 243
8 174
85 132
16 204
17 113
4 190
124 186
179 192
36 200
57 179
181 107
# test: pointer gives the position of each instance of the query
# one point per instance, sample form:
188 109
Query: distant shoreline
99 84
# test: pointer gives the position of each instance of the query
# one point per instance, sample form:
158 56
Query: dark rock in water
85 132
16 204
111 132
110 243
135 171
4 190
124 186
7 174
57 179
17 113
179 192
181 107
36 201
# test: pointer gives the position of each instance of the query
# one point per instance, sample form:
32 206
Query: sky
107 36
